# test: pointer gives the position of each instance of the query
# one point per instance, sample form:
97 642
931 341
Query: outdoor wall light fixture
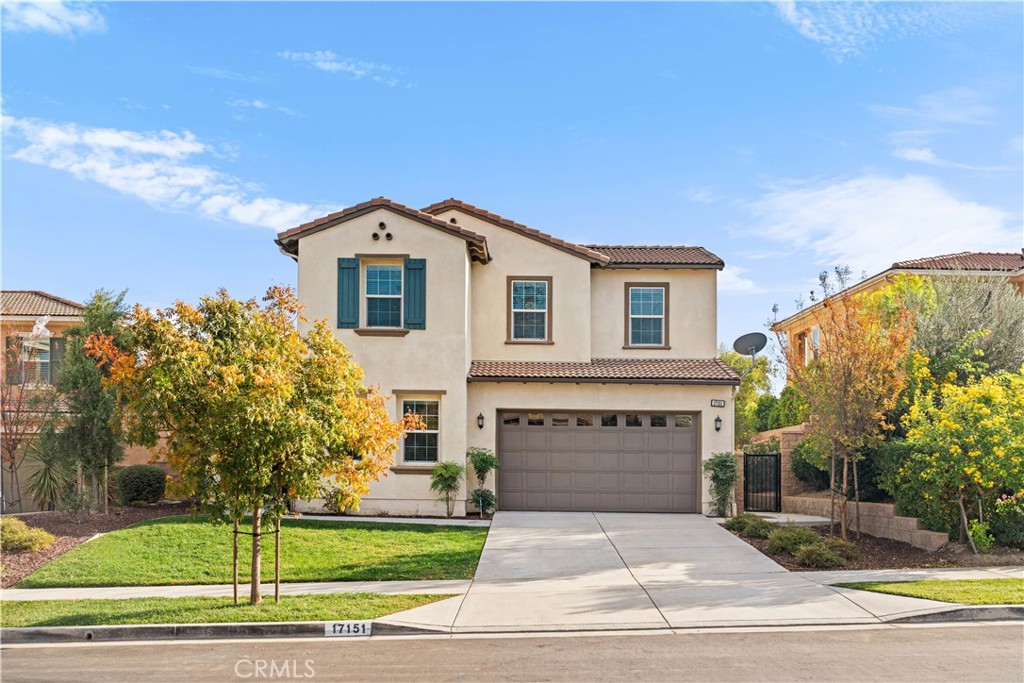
718 423
480 420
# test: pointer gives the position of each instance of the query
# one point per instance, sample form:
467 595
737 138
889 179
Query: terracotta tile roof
36 303
967 260
289 239
612 370
669 257
500 221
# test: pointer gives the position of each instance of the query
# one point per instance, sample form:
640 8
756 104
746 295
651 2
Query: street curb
313 629
968 613
102 634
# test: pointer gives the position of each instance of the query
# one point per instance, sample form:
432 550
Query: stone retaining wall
877 519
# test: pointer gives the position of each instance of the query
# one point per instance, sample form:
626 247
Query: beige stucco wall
515 255
692 320
491 397
430 363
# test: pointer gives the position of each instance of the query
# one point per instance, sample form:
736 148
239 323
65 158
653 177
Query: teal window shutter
415 294
348 292
56 357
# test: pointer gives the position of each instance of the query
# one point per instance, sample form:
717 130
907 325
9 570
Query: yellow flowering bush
967 445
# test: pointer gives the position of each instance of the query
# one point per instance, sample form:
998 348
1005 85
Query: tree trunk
277 560
254 591
832 496
234 564
964 528
844 524
856 498
94 504
106 489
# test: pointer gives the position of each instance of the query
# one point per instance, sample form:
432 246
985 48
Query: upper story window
383 296
422 445
33 360
815 344
647 314
529 310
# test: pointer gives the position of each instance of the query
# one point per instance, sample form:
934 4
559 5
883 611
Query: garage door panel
565 463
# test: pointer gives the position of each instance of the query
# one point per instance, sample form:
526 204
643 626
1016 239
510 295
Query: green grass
963 591
330 607
190 550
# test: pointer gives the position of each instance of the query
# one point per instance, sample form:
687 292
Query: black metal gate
762 482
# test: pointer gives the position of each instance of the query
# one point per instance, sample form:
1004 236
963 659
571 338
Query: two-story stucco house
590 370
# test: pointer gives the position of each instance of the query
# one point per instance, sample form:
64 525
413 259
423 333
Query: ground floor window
422 445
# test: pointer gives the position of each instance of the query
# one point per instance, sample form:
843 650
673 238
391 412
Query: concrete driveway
546 571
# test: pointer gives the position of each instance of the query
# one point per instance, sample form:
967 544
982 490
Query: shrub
445 480
792 409
818 556
808 465
738 524
1007 520
759 528
18 537
485 501
722 473
141 482
76 504
789 539
484 461
770 446
983 540
846 550
766 406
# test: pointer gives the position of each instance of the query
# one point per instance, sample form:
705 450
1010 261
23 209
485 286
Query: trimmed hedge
145 483
18 537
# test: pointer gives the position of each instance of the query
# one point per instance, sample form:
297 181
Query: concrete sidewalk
220 590
607 571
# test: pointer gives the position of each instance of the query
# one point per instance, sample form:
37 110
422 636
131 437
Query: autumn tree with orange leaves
856 377
255 413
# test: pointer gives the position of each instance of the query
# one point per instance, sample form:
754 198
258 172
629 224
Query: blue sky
158 146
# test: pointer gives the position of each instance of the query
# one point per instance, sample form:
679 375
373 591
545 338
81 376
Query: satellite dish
750 344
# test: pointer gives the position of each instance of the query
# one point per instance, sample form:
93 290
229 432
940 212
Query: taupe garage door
608 462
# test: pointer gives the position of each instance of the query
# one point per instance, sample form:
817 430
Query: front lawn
190 550
963 591
330 607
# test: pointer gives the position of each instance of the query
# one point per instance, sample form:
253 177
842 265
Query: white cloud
326 60
731 280
926 155
158 167
847 29
240 103
956 106
61 18
871 221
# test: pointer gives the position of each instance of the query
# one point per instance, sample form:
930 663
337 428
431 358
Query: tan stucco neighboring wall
491 397
692 320
515 255
430 363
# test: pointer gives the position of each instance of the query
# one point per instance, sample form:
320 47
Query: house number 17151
347 628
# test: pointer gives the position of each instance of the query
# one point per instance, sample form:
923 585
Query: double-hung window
647 313
421 445
529 310
383 296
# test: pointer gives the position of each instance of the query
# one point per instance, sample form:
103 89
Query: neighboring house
590 370
802 331
34 323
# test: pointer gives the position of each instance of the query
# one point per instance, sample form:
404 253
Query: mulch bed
885 553
69 533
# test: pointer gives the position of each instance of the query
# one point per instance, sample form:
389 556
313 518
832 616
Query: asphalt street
936 653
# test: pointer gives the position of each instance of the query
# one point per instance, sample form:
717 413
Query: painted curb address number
341 629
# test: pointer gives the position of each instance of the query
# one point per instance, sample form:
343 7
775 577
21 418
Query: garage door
608 462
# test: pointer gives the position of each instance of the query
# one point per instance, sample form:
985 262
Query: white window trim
367 296
514 310
647 317
433 398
